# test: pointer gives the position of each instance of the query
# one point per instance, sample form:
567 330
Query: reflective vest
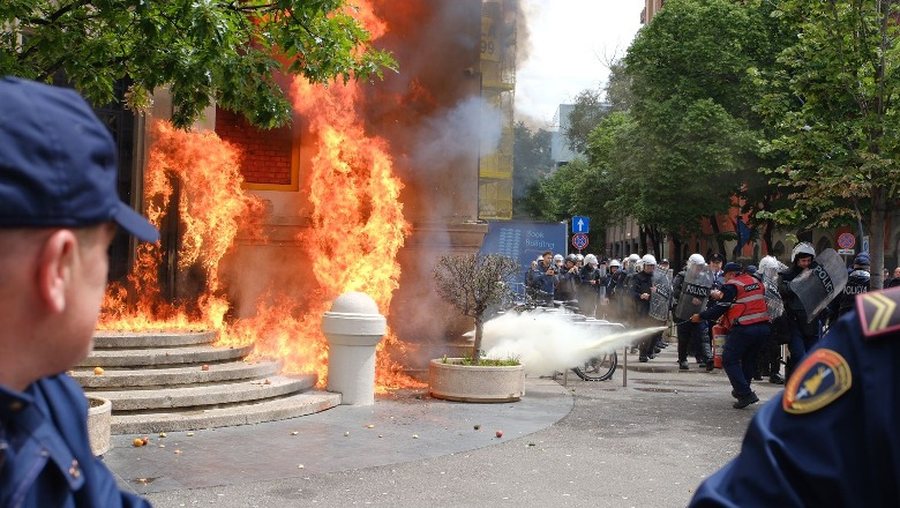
749 306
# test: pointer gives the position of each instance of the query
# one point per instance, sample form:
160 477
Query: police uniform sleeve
831 438
67 406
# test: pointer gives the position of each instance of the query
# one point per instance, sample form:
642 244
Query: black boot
683 365
776 379
745 401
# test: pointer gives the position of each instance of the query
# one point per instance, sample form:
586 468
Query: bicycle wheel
599 368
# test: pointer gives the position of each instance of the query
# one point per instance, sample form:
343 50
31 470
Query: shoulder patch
819 380
879 312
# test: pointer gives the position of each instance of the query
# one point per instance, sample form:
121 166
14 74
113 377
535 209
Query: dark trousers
693 337
798 344
770 357
740 354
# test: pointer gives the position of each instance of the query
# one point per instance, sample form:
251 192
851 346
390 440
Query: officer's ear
56 260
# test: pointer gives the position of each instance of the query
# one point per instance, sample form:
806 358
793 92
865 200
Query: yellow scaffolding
498 83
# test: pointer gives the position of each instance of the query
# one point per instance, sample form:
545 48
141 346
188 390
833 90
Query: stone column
353 328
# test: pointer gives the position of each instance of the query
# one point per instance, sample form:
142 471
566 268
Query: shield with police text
698 281
661 297
774 304
816 287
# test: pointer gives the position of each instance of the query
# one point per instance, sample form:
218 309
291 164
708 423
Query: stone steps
205 394
299 404
174 376
121 340
172 381
162 356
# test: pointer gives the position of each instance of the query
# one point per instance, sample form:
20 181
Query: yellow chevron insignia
878 312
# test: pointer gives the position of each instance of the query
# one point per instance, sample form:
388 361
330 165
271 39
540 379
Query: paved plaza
578 444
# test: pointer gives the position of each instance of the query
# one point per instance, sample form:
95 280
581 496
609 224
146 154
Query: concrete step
110 339
162 356
205 395
183 375
208 417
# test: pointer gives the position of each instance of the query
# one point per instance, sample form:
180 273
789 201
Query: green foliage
692 111
587 112
531 162
485 362
832 103
228 51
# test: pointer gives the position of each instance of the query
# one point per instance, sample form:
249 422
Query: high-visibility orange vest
749 306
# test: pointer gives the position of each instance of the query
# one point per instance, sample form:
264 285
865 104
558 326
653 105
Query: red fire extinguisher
719 334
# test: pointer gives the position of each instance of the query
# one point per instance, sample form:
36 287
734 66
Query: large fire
351 189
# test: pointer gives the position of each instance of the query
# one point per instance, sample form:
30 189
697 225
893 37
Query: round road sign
579 241
846 240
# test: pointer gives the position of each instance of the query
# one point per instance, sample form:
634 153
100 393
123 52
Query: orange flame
352 190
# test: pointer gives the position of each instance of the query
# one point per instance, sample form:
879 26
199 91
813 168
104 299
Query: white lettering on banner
540 244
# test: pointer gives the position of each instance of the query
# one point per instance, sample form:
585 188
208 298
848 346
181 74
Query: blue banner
525 241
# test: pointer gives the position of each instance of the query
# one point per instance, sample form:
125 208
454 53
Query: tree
229 52
693 106
472 283
589 109
832 101
531 162
618 88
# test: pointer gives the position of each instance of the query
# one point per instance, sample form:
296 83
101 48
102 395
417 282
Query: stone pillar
353 328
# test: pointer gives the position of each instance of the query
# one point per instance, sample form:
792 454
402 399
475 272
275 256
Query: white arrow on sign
580 224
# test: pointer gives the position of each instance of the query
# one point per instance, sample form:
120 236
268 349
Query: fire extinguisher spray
719 334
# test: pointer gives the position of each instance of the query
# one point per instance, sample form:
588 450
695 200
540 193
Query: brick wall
267 153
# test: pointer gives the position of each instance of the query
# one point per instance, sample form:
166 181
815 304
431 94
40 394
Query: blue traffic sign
581 224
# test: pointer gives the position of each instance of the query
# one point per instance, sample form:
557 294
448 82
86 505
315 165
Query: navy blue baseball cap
731 266
58 162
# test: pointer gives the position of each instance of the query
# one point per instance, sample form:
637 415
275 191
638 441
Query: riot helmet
801 250
649 259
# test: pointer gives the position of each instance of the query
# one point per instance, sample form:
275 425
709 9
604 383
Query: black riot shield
816 287
694 292
660 300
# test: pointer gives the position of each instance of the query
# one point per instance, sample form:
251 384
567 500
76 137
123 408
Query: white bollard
353 328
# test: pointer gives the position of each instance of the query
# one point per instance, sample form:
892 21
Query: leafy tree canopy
588 111
227 51
531 162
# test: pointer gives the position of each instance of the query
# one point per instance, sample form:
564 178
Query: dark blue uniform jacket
833 437
45 456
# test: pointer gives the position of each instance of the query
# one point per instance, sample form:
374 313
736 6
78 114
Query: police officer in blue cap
742 306
831 438
857 283
58 213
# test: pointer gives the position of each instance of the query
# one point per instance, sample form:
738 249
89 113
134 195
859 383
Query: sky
570 41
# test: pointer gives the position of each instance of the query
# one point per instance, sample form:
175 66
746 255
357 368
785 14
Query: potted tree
472 283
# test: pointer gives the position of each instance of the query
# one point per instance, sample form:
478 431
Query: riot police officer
857 283
742 303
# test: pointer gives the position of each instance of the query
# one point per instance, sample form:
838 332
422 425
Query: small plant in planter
472 283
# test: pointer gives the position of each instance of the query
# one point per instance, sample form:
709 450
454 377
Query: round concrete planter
475 383
99 420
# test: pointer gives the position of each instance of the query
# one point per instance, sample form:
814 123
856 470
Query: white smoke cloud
466 130
551 342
